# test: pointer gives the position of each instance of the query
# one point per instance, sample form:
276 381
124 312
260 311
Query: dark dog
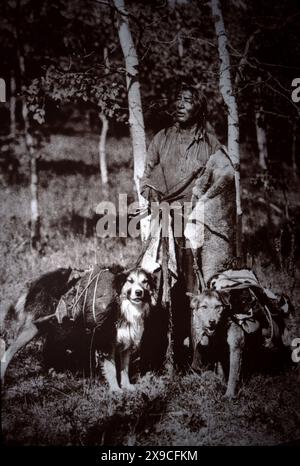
213 334
32 313
223 325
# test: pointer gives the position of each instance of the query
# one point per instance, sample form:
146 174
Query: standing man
185 160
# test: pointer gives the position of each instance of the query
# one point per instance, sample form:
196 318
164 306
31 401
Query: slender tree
12 106
260 123
35 231
226 90
261 138
102 149
136 119
172 7
35 221
104 131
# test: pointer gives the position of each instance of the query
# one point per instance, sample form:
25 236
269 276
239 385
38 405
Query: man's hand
198 194
146 193
204 198
151 194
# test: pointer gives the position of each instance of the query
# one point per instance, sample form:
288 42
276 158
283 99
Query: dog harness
264 301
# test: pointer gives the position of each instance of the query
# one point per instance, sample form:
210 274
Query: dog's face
139 287
208 310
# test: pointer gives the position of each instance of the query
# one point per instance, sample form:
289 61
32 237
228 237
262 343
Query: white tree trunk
12 106
2 91
102 150
35 232
261 138
34 200
104 131
136 119
230 101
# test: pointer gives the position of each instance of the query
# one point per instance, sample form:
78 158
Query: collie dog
108 304
136 298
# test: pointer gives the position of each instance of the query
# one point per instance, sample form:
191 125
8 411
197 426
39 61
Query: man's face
185 108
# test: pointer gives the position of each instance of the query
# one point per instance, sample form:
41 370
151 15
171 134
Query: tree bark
12 106
102 150
2 91
172 6
261 138
136 119
35 230
35 222
226 90
104 131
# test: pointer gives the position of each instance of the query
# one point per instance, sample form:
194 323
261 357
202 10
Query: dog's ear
120 279
225 298
194 300
286 305
152 279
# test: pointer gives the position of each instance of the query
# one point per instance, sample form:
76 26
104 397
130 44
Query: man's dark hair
199 99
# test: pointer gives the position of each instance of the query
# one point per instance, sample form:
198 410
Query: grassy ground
64 409
67 409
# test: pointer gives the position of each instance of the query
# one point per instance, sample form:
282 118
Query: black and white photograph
150 225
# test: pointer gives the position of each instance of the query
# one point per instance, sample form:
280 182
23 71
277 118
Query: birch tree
226 90
261 138
12 106
172 7
136 119
102 149
35 233
104 131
